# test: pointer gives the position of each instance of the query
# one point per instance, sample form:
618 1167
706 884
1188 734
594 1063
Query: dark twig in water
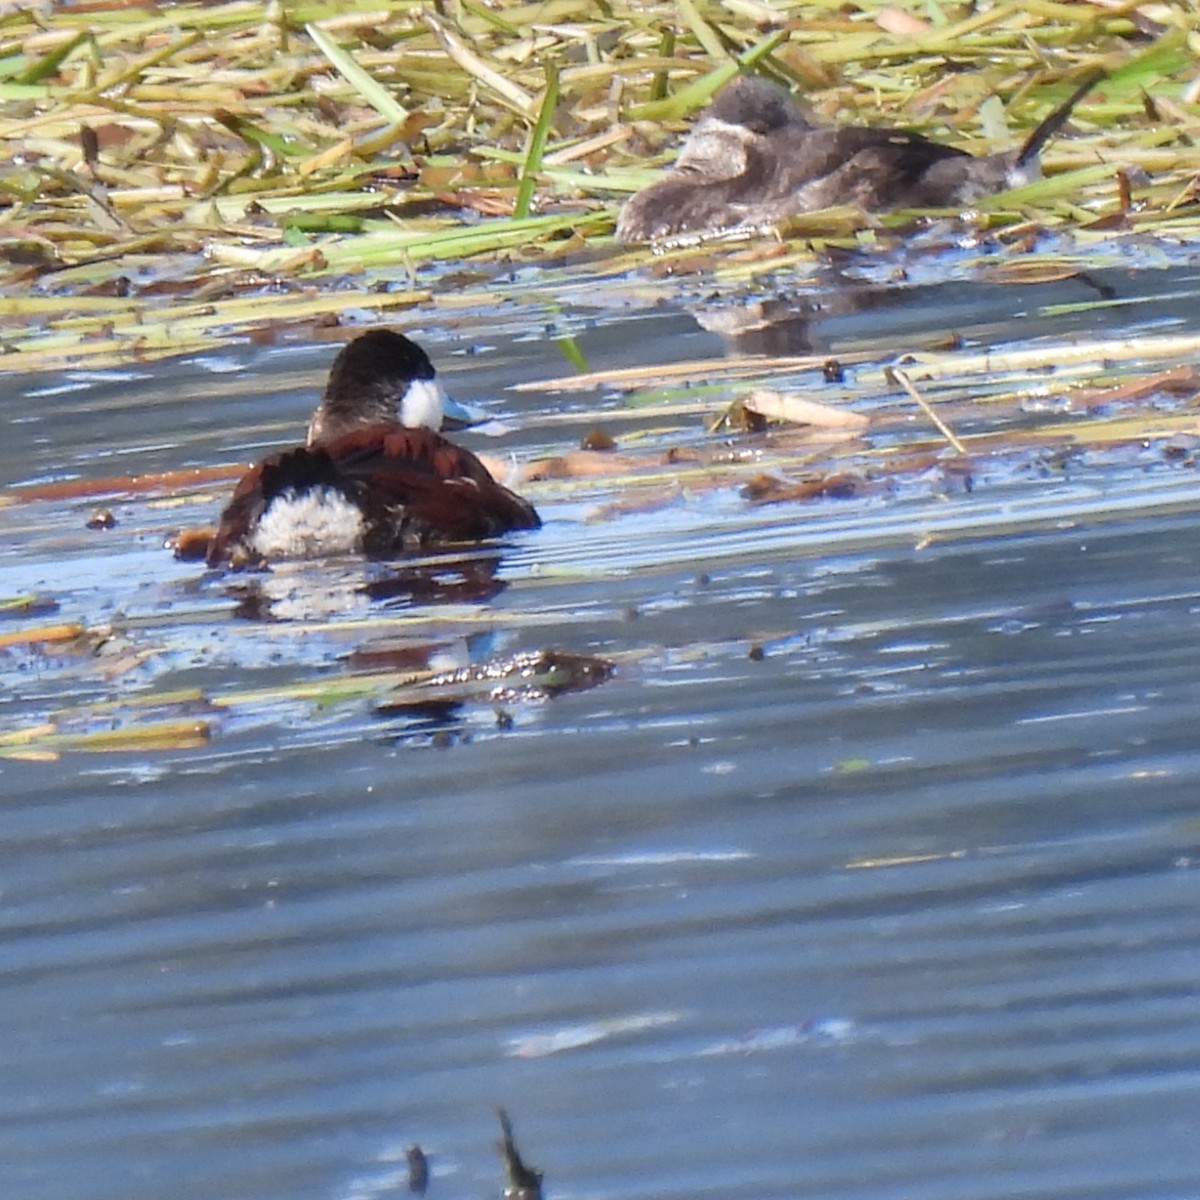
520 1182
418 1170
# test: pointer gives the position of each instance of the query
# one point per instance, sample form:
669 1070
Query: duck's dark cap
379 360
755 105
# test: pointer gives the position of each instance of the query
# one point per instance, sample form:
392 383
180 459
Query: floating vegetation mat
175 173
151 722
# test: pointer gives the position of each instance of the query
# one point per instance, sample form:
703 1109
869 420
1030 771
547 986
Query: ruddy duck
754 158
376 476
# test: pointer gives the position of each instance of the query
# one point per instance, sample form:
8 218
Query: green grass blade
50 63
255 136
537 144
704 33
369 88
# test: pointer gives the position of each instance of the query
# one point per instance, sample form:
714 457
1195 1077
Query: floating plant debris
528 676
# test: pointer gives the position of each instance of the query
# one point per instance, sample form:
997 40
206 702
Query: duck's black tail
1055 121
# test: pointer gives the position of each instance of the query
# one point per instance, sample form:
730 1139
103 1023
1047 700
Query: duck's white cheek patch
311 524
424 405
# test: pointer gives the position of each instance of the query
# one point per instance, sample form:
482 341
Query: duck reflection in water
376 477
754 159
831 313
451 577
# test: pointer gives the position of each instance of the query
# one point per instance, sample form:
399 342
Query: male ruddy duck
754 158
376 476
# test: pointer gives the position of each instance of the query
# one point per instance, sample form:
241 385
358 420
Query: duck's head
755 105
383 378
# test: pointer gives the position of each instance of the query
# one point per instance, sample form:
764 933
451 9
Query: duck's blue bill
461 416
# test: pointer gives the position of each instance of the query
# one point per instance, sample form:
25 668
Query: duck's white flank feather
310 524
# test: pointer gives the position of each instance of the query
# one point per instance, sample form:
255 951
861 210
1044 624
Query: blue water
871 873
